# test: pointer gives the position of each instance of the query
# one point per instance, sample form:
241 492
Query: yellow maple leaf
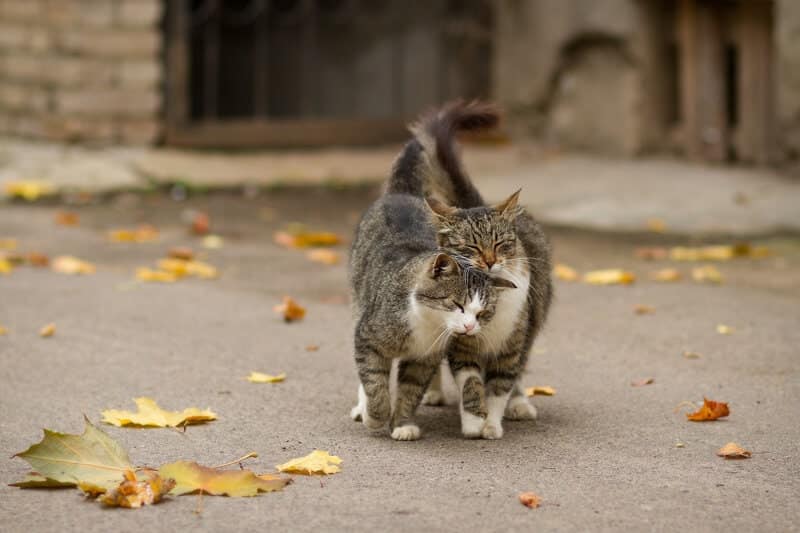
666 274
29 190
706 273
8 244
317 462
722 329
656 225
191 477
201 270
66 264
542 390
324 256
609 277
300 238
258 377
151 415
48 331
565 272
161 276
144 233
5 266
3 331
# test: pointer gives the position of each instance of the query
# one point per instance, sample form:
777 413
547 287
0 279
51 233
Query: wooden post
177 79
703 97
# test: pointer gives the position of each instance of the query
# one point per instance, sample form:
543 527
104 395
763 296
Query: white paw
492 431
519 408
355 413
409 432
433 397
471 425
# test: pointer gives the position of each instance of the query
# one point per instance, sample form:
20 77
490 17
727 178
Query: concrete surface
618 195
603 455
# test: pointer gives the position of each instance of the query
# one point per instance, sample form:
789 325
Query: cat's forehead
482 220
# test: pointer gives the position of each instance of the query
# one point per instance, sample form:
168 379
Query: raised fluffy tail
431 162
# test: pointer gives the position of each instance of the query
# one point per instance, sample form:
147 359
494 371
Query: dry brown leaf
37 259
312 348
66 264
201 223
325 256
651 253
541 390
706 274
643 309
529 499
656 225
565 272
691 355
67 218
181 252
146 489
159 276
259 377
666 274
733 451
290 310
710 410
3 331
144 233
611 276
48 331
722 329
317 462
642 382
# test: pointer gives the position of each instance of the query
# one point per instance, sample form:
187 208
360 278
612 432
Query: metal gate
281 73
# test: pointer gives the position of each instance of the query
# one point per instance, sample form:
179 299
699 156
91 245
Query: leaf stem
239 460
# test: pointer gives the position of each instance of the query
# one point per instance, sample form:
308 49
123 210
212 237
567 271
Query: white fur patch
495 406
429 329
510 303
357 412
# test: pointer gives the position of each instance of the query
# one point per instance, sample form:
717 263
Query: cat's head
484 236
456 296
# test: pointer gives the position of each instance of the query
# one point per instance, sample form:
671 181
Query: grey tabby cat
502 239
409 299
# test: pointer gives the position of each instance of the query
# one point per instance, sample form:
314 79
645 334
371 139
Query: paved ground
603 455
563 189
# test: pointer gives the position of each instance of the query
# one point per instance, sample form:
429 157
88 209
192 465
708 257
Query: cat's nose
489 262
469 327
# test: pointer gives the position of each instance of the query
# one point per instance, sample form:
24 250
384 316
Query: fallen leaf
656 225
642 309
177 267
151 415
191 477
706 273
733 451
144 233
134 492
565 272
324 256
710 410
66 264
651 253
8 244
722 329
3 331
160 276
691 355
180 268
680 445
37 259
48 331
28 189
529 499
666 274
642 382
540 391
201 223
317 462
212 242
290 310
312 348
61 459
181 252
5 266
716 252
609 277
305 239
67 218
258 377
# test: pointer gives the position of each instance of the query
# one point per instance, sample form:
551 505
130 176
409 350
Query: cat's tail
436 133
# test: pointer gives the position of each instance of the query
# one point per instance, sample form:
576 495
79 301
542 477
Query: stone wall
81 70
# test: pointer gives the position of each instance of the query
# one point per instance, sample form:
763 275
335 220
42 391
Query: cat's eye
459 307
480 315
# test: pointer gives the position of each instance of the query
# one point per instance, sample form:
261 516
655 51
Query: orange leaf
711 410
642 382
38 260
642 309
306 239
651 254
67 218
529 499
181 252
144 233
201 224
133 493
48 331
290 309
733 451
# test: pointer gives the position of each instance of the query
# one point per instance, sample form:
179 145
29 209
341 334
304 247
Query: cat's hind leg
519 408
357 412
413 377
501 377
373 370
473 400
435 395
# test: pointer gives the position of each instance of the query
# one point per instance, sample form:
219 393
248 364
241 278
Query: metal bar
211 62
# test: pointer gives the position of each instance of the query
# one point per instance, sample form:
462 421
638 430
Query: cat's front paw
492 431
519 408
433 397
355 413
471 425
407 432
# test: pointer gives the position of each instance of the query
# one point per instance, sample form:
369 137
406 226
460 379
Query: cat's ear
443 264
508 207
439 209
502 283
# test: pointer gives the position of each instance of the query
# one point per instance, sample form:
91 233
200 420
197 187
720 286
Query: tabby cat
409 300
502 239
